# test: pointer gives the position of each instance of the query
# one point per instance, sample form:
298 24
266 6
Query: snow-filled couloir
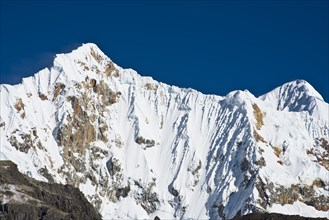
138 148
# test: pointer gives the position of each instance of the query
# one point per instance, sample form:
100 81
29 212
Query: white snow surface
200 141
298 208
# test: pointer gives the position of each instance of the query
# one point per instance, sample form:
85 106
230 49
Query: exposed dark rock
41 200
95 55
22 146
258 137
93 84
273 216
111 70
150 202
150 86
323 143
113 166
122 192
322 157
261 162
146 198
44 172
319 183
19 105
24 211
269 194
80 132
259 115
244 165
102 132
78 164
220 210
196 170
109 97
43 96
148 143
58 89
174 192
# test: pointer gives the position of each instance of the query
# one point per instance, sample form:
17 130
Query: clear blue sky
212 46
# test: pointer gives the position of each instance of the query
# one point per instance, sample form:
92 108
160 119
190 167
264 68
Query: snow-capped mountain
138 148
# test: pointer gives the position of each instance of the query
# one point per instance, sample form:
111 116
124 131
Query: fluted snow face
138 148
298 96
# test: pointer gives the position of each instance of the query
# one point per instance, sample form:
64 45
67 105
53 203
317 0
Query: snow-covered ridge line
89 50
138 148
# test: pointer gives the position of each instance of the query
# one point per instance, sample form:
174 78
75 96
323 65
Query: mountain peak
303 86
85 50
296 96
299 86
139 149
85 61
90 48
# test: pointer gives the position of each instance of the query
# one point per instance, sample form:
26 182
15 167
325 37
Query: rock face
274 216
138 148
23 198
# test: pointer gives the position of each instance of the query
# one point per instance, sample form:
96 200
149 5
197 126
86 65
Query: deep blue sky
211 46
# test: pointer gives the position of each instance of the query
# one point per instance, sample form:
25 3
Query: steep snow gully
138 148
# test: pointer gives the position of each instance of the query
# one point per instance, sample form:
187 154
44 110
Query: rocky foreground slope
138 148
22 197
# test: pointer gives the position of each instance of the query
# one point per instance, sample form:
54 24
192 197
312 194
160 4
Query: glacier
138 148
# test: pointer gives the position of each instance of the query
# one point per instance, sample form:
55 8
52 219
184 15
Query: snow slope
138 148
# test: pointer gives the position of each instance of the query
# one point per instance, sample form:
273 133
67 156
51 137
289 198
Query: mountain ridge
92 49
114 134
25 198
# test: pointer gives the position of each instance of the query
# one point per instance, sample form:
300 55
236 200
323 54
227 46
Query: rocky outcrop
27 140
81 128
150 86
22 197
19 105
273 216
109 97
58 89
271 194
146 198
142 141
259 115
322 154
